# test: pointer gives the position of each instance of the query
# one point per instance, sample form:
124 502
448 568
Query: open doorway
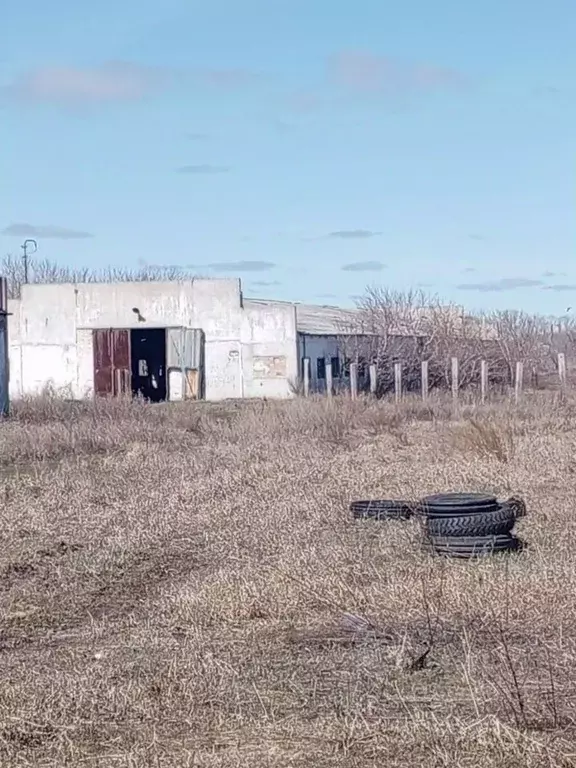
148 363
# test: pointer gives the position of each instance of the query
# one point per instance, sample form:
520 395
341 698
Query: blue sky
309 147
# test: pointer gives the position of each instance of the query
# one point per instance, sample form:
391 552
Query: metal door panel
185 363
112 366
121 349
102 345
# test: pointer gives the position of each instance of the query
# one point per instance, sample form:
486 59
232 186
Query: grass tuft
487 439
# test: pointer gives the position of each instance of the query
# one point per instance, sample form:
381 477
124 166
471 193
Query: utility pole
4 374
26 244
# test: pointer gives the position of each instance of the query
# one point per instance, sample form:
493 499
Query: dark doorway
148 363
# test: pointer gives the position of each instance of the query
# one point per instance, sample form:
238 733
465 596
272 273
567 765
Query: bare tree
410 327
46 271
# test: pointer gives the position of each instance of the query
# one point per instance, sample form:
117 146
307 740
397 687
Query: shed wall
51 334
316 347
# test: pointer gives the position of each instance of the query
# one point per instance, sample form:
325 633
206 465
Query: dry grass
183 586
487 438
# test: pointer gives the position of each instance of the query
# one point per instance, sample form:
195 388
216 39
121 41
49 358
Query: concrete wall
269 348
248 352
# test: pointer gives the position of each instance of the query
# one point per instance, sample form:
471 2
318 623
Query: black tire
466 547
495 523
518 504
382 509
458 504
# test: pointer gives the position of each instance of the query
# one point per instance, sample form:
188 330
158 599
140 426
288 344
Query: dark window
361 367
320 368
335 364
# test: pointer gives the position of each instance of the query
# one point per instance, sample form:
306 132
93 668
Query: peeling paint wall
269 367
268 332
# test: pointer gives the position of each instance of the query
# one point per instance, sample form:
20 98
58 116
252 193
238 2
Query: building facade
189 339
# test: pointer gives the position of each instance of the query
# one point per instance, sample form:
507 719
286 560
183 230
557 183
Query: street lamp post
26 244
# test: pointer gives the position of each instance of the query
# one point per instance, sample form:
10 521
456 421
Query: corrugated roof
315 319
323 320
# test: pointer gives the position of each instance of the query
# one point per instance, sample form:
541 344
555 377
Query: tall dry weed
486 439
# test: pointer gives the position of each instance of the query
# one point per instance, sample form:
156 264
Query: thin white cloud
353 234
45 231
505 284
113 81
109 82
561 287
365 72
240 266
364 266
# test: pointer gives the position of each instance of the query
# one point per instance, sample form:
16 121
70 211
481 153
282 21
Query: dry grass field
183 585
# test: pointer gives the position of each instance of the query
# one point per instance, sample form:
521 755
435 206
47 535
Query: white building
193 338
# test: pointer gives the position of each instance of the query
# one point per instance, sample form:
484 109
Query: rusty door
112 365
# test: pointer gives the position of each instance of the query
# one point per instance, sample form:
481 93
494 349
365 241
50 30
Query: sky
311 148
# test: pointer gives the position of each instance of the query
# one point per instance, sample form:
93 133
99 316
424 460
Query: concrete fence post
483 381
397 382
424 380
455 378
562 370
518 381
329 382
306 376
353 380
373 378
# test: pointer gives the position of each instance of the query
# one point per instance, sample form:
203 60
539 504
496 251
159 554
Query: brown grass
183 586
487 438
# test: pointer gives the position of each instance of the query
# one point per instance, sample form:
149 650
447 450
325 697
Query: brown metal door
112 366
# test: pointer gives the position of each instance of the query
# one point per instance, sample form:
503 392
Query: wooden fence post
424 379
354 380
562 370
306 362
397 382
328 373
483 381
455 383
519 381
373 378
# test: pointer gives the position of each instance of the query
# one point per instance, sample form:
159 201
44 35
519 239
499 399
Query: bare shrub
46 271
486 439
411 327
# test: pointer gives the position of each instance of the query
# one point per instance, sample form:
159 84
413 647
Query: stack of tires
466 525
